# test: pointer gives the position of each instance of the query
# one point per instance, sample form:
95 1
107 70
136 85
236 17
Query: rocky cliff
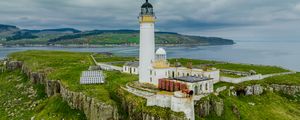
209 105
93 109
137 109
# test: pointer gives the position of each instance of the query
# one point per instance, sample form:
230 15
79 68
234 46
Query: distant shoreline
108 45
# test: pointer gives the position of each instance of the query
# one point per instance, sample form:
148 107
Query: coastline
107 45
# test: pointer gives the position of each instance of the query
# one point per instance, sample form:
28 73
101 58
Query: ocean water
284 54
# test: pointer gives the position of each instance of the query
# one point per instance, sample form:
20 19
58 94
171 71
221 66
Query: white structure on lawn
131 68
92 77
154 66
184 84
147 44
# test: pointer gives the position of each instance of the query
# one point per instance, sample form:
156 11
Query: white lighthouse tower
147 42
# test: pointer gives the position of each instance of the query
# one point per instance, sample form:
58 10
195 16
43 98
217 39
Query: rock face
136 112
211 105
286 89
93 109
254 90
11 65
236 111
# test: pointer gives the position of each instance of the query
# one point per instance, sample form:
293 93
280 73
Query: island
14 36
52 77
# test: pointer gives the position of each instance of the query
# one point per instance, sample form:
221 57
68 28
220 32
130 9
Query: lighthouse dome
161 51
147 5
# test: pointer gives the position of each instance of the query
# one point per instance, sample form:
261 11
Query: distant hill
6 28
13 35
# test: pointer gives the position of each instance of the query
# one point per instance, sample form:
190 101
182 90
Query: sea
279 53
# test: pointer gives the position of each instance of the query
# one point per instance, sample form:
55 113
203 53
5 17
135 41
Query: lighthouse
147 42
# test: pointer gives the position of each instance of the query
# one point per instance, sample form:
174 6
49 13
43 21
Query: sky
264 20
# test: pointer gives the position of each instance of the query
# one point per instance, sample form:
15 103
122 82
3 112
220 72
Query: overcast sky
234 19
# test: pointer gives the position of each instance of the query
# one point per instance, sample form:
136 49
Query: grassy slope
271 106
15 98
67 67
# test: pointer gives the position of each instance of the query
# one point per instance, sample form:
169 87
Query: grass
291 79
271 106
67 67
59 110
18 97
260 69
114 59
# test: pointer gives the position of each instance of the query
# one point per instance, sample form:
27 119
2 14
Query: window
200 87
150 79
206 86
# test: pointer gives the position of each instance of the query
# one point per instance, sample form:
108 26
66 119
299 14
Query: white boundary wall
253 77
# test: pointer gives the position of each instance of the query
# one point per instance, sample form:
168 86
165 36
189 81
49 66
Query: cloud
185 16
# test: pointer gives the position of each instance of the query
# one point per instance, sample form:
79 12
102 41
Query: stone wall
138 111
185 105
242 79
252 77
109 67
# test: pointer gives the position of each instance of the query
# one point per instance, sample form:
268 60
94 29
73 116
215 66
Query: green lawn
260 69
67 67
115 59
18 95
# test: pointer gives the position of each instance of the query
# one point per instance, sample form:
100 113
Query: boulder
218 107
236 111
286 89
254 90
12 65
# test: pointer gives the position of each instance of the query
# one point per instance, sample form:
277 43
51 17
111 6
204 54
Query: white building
154 66
131 68
92 77
147 43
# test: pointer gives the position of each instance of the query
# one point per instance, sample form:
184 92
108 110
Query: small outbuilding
131 68
92 77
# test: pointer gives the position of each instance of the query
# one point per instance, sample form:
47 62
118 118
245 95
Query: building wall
131 70
158 74
182 71
146 55
109 67
202 87
176 104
